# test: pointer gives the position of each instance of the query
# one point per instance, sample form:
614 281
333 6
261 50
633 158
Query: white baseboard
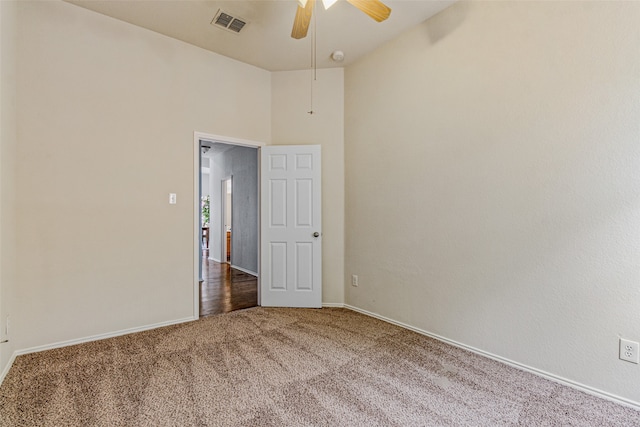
61 344
244 270
573 384
5 371
333 304
215 259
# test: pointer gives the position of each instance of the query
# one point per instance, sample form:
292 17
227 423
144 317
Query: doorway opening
228 229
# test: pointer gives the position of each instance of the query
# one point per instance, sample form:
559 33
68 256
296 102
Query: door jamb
197 230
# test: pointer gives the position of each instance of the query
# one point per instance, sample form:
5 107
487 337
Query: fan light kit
374 8
327 3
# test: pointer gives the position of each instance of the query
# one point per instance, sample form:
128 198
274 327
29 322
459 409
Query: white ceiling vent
228 22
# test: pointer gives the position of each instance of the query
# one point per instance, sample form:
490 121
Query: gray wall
205 181
242 164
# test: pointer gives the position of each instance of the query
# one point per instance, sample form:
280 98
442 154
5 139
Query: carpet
286 367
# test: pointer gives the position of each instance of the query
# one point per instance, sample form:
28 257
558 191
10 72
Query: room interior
479 175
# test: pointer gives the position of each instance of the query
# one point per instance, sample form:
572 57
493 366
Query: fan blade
374 8
302 20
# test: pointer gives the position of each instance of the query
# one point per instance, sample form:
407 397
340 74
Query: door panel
291 230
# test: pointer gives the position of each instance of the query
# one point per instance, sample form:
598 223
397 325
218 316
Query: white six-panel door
291 228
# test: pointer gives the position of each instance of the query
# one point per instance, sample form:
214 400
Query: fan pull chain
311 110
314 64
315 49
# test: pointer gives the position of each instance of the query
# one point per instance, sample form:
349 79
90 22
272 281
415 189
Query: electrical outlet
629 350
354 280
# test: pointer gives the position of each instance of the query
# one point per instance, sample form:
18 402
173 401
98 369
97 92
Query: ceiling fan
374 8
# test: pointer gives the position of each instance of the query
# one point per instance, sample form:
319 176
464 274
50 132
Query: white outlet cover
629 351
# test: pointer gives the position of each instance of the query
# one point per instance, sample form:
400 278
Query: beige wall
7 171
291 124
106 115
492 185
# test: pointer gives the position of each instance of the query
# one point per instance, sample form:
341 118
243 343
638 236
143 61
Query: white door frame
197 230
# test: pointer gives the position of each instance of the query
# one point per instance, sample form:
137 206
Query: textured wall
106 117
492 185
8 141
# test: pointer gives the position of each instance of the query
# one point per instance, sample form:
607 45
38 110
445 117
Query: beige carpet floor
286 367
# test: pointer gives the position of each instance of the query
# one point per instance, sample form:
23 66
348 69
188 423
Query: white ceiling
266 40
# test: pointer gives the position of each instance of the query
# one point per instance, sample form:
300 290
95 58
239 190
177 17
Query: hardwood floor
224 289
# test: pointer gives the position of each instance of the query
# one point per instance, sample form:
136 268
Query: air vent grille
236 25
224 19
228 22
